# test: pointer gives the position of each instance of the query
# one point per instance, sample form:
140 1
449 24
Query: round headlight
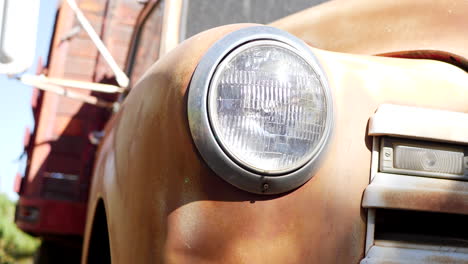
267 107
260 110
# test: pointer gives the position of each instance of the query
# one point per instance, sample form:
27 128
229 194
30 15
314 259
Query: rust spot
438 55
443 260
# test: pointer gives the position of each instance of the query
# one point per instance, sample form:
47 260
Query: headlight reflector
267 107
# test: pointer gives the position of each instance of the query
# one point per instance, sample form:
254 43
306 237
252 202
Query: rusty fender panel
376 27
165 205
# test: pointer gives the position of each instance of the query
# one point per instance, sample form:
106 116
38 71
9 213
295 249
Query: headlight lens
267 107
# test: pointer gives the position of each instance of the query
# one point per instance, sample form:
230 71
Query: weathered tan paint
416 193
418 123
375 27
165 205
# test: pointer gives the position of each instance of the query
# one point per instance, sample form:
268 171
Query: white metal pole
65 92
97 87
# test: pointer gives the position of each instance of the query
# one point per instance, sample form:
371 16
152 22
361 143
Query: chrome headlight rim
206 141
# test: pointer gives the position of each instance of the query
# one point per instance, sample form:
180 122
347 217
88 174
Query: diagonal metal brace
120 76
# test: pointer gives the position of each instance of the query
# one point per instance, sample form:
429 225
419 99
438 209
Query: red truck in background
53 192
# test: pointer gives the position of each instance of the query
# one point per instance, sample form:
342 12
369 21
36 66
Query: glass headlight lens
267 107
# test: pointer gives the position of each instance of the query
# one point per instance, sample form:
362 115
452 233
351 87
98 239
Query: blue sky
15 108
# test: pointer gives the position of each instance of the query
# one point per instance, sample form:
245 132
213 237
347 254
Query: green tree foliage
14 244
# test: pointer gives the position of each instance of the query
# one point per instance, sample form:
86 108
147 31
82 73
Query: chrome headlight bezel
212 151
